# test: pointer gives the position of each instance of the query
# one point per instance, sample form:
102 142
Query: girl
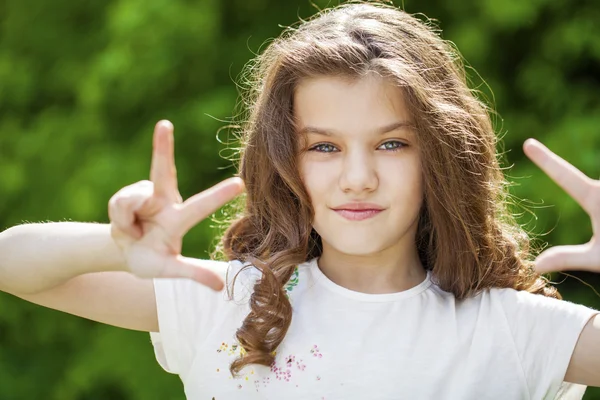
374 257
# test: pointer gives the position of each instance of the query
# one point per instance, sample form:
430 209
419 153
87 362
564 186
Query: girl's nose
359 173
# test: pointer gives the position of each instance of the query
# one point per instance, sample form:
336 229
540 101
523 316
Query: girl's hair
466 234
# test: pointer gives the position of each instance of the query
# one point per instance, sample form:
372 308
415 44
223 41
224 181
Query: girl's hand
586 192
149 219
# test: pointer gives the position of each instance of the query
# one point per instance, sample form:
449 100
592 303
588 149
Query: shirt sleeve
185 310
545 331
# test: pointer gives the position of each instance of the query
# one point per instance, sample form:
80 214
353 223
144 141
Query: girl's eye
323 148
392 145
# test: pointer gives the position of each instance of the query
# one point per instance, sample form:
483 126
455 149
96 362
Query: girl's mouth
358 215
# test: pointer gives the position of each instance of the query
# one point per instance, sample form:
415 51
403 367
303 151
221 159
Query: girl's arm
78 269
584 367
97 271
38 257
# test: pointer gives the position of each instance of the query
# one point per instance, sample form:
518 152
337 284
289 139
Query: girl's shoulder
515 307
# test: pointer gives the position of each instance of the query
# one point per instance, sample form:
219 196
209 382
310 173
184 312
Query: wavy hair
466 236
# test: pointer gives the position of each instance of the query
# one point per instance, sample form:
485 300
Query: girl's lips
358 215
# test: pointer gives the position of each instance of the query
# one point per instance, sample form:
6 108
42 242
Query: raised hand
586 192
149 218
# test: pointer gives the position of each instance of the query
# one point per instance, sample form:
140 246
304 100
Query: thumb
192 268
150 206
564 258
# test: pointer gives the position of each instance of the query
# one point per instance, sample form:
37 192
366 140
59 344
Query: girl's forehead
367 103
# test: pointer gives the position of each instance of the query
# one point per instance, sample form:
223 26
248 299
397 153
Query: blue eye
323 148
393 145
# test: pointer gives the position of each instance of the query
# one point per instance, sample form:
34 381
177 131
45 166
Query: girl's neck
388 271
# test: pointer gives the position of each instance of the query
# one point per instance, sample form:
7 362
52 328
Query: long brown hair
466 235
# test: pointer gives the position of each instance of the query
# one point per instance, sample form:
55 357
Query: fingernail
165 124
531 141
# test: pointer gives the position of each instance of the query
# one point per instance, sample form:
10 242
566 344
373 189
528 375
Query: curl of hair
466 235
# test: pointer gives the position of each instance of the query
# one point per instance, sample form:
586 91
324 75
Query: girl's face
359 153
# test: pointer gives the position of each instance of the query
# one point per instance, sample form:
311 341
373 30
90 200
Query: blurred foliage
82 84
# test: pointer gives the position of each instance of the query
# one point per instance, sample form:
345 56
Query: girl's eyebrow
380 131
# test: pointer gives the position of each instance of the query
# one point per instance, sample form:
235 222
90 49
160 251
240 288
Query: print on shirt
292 282
282 369
235 351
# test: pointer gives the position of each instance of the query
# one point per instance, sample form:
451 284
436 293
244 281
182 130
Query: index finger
201 205
163 172
572 180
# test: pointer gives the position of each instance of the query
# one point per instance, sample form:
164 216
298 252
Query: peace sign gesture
586 192
149 218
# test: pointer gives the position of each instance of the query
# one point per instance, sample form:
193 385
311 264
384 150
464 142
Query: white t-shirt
417 344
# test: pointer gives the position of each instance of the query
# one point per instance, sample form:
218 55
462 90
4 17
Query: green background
83 82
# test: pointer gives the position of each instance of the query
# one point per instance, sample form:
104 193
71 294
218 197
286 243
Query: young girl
374 257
